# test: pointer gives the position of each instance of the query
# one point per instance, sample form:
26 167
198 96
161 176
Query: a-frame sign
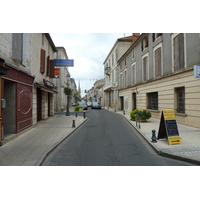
168 127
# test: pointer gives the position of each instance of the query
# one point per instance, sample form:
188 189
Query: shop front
16 92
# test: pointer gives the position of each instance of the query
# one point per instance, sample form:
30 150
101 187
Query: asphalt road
107 139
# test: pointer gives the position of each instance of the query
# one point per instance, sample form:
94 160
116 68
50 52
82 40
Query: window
17 40
133 74
121 81
144 43
133 54
125 78
180 96
178 42
155 36
158 62
145 69
42 61
116 55
152 99
112 60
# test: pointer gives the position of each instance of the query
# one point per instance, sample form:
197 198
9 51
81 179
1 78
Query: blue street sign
63 62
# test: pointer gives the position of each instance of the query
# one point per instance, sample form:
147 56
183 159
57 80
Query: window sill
156 111
181 114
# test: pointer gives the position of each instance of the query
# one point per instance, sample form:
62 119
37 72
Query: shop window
152 101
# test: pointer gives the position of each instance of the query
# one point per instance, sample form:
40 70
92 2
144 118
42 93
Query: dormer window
145 43
155 36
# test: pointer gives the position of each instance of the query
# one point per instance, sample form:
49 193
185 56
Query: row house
27 89
157 73
89 95
62 80
111 72
98 91
75 97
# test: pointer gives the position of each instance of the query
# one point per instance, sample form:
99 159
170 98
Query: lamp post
68 92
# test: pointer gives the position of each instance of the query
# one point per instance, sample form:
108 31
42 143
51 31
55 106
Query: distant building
111 72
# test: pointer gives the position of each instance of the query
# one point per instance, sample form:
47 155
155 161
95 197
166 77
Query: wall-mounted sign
197 71
48 84
57 71
168 127
63 63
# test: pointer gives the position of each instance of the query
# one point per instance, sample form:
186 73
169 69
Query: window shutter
17 39
51 69
145 69
158 62
176 53
48 65
42 61
181 51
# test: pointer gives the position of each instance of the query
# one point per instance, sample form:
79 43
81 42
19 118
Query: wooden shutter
48 65
181 51
145 69
51 69
17 39
42 61
158 62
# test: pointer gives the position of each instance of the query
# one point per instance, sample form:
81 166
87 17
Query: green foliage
143 114
67 91
76 108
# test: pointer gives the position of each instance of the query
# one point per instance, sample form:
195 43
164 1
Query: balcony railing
110 86
108 71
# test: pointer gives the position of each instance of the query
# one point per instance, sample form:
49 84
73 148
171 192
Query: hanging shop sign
57 71
48 84
168 127
63 62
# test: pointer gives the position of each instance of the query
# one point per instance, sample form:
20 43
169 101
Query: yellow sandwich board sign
168 127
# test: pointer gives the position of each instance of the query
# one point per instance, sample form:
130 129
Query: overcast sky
89 51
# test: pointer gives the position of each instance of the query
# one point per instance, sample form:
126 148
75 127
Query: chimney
135 37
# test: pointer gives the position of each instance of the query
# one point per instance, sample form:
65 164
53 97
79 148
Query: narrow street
106 139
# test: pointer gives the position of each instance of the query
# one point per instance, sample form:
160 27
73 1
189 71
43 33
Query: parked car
95 105
89 104
83 104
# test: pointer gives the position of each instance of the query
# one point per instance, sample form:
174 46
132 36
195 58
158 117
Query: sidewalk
188 150
31 147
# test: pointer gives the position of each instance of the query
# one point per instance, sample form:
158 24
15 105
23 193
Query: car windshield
82 104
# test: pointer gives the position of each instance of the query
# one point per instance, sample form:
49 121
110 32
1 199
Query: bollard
84 115
76 114
115 109
73 123
124 112
153 136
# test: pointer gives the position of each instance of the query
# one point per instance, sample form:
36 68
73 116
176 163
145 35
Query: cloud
89 51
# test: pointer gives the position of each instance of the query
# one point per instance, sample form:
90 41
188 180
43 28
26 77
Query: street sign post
63 62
